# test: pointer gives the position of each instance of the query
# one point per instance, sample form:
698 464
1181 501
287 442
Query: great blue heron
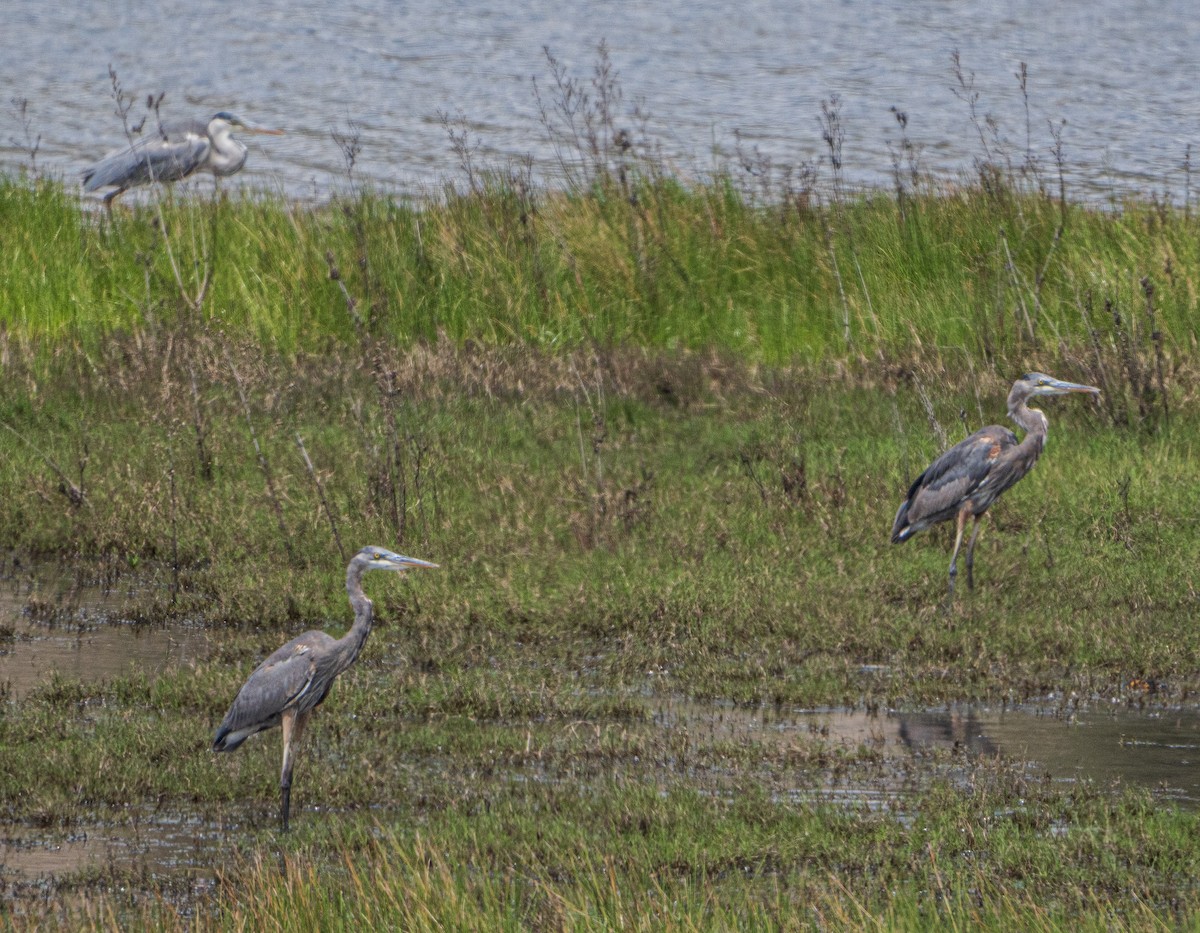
172 152
967 478
292 682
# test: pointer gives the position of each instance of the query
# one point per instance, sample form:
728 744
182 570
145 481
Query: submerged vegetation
654 433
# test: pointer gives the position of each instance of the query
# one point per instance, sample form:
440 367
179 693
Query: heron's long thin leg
962 521
293 729
971 553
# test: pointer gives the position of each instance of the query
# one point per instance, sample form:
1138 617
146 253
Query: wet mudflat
65 631
1152 749
159 851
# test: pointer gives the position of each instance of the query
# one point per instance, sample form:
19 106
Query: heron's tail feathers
228 739
901 529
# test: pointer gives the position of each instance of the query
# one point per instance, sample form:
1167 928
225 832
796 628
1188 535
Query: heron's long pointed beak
263 130
1063 387
411 563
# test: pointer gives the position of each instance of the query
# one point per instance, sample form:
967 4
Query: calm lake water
706 74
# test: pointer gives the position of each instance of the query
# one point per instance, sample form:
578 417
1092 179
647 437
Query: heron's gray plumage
169 153
965 480
295 679
977 470
298 675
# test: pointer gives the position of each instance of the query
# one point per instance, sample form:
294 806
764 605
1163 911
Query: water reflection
1157 750
1153 749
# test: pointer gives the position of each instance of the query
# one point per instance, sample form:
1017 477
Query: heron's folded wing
279 681
955 476
154 158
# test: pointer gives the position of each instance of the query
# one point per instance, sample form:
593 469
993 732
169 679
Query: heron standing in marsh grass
174 151
964 481
295 679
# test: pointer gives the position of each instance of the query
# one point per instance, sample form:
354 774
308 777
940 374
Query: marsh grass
654 433
996 277
608 855
611 525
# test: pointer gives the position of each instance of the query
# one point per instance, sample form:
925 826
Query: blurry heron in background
169 153
292 682
964 481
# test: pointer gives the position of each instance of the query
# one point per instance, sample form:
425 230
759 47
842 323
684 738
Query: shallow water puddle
83 637
158 848
160 845
1155 749
56 626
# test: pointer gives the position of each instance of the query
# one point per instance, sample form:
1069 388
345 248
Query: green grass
968 274
657 451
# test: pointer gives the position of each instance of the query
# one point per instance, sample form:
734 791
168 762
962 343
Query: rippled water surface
1121 74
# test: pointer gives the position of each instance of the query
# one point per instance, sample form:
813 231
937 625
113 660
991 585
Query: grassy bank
990 274
655 436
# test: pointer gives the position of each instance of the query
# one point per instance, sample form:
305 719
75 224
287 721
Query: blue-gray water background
1121 74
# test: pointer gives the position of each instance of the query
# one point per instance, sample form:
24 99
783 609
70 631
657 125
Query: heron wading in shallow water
175 151
964 481
295 679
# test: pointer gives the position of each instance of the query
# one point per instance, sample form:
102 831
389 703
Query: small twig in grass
459 134
321 495
1011 268
206 469
73 493
964 90
927 404
1124 340
834 135
350 143
397 482
1187 181
837 275
1060 165
335 275
20 111
1022 76
748 465
174 525
1156 339
262 461
1106 396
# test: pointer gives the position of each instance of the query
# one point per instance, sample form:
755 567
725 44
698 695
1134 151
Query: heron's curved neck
364 613
1034 422
228 154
